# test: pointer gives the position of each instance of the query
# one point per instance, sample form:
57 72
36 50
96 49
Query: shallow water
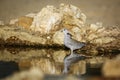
49 60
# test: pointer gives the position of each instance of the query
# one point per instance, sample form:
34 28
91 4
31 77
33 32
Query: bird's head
66 32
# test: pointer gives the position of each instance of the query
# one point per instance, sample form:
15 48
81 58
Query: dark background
106 11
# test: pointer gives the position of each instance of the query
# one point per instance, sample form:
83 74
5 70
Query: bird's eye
69 34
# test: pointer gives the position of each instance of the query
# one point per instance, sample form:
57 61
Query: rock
104 40
15 35
71 77
33 74
46 20
22 54
31 15
50 18
94 33
101 35
111 68
24 64
95 27
43 28
72 16
1 23
93 52
13 21
96 61
46 65
59 56
78 68
24 22
58 37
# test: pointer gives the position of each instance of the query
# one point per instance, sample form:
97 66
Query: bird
68 60
70 43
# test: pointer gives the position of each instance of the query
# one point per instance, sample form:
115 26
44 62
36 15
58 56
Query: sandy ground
106 11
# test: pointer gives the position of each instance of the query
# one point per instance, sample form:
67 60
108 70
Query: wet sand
106 11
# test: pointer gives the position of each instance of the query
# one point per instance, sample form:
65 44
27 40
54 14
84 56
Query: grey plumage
71 43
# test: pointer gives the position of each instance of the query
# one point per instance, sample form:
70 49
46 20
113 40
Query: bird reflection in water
70 59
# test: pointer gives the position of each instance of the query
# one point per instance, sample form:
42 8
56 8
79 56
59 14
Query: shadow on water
7 68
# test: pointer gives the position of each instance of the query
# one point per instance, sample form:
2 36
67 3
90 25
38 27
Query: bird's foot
65 71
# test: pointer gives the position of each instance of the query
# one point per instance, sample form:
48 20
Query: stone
33 73
50 18
24 22
13 21
24 64
1 23
78 68
44 28
58 37
73 16
19 36
104 40
95 27
59 56
111 68
96 34
47 65
71 77
22 54
31 15
96 61
46 20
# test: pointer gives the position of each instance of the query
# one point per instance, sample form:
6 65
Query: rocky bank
44 29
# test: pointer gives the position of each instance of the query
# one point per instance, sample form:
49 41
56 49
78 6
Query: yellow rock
59 56
58 37
46 65
24 22
33 74
111 68
78 68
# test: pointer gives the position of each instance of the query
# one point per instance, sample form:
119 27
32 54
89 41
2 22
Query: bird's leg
66 65
65 71
71 52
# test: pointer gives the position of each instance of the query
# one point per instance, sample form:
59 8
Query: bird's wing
77 43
